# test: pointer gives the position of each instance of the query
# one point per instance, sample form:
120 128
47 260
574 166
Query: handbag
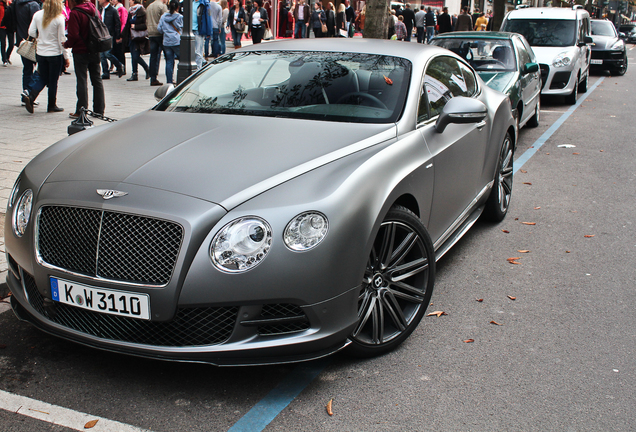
240 26
268 34
324 27
27 49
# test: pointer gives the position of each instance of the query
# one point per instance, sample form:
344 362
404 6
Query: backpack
204 19
99 39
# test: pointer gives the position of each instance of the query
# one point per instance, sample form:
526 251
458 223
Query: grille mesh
190 326
110 245
295 319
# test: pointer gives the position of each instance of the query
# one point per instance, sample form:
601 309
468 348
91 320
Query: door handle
481 124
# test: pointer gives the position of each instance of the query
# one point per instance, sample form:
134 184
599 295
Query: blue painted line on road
261 414
547 134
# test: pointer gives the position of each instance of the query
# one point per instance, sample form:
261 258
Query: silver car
287 201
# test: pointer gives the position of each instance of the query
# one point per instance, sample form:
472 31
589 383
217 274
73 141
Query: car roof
546 13
476 35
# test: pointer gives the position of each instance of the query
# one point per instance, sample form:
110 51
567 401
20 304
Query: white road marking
60 416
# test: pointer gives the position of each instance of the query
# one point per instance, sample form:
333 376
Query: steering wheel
376 102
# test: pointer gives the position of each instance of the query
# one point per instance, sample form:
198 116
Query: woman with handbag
171 26
47 26
330 12
341 20
318 20
257 22
236 22
136 34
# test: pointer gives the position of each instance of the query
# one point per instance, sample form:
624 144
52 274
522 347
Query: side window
524 56
533 58
443 80
469 79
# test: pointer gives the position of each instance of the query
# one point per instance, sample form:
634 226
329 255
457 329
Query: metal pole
187 64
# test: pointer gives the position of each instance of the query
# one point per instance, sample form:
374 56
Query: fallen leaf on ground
576 153
513 259
567 251
329 410
90 424
505 231
537 208
480 300
588 235
524 171
523 251
547 153
601 151
437 313
529 223
528 183
469 341
495 323
512 298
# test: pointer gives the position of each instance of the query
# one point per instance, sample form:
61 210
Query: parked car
559 38
628 32
287 201
505 62
608 49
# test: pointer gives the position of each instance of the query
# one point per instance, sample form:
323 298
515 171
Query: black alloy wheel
499 199
620 71
397 285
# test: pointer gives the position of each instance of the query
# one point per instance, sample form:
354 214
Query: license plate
596 61
120 303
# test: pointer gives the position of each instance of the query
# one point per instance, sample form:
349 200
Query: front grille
190 326
607 55
282 318
110 245
545 71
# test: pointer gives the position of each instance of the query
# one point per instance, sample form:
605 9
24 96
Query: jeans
216 43
236 37
299 30
49 70
27 73
198 49
222 41
171 53
135 58
257 34
156 44
206 46
108 55
420 34
409 32
430 33
3 44
85 65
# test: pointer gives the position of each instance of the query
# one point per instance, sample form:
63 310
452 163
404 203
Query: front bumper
603 60
556 81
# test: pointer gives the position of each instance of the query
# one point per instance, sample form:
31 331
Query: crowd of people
62 31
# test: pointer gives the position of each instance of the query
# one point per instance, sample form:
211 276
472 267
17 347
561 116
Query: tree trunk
499 11
376 24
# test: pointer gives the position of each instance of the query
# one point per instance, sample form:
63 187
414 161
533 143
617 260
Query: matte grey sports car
287 201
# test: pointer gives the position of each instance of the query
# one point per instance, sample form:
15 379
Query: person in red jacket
86 63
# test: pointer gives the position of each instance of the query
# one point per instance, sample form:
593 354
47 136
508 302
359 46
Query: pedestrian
444 21
301 18
216 13
409 21
349 14
23 14
111 20
118 46
154 12
464 21
481 23
420 18
222 33
199 34
317 20
475 15
4 32
331 20
400 29
256 21
341 20
47 27
86 63
136 39
283 13
430 25
171 26
391 26
360 19
236 20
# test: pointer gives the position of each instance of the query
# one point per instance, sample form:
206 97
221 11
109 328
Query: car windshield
482 54
603 28
544 32
349 87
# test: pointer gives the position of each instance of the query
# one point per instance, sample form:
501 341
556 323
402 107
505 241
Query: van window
544 32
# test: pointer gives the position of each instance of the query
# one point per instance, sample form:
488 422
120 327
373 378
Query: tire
534 120
620 71
572 97
397 285
499 199
583 84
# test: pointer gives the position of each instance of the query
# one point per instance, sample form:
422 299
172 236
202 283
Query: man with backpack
86 57
201 27
23 11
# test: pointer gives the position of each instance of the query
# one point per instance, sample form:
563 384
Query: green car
505 62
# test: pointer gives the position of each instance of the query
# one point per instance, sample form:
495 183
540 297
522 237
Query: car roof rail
523 6
577 6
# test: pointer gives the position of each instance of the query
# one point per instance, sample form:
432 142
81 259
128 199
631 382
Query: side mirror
461 110
621 35
162 91
587 40
530 68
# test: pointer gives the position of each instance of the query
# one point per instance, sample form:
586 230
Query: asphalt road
562 358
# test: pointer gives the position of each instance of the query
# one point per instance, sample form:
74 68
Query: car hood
602 43
546 55
501 81
224 159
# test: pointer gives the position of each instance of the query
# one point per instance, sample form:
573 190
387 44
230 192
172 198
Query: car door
530 83
459 151
585 50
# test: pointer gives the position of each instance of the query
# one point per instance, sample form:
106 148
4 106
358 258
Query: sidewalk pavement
23 136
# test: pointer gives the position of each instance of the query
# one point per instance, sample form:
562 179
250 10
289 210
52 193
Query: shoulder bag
28 48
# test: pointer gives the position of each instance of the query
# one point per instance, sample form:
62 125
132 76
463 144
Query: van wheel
572 97
583 84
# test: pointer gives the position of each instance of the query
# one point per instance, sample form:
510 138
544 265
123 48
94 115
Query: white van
559 38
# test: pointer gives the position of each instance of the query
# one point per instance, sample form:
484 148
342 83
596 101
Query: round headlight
305 231
241 245
22 213
562 60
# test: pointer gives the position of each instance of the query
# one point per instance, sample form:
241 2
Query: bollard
81 123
